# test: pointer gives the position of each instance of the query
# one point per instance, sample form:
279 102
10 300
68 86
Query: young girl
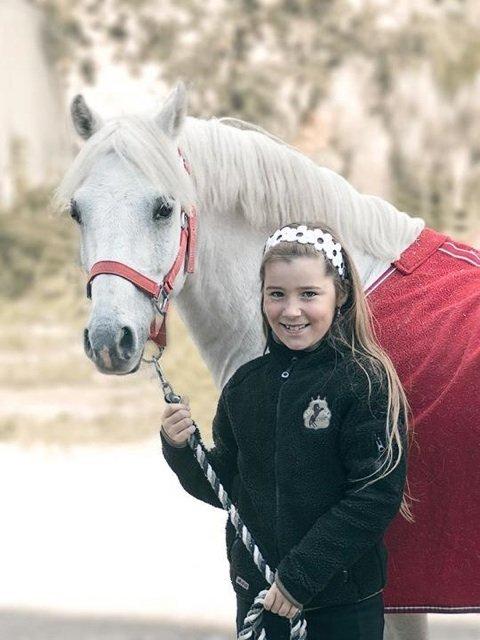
310 444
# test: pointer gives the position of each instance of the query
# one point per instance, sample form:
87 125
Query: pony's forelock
142 145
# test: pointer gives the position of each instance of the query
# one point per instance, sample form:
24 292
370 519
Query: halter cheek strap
158 292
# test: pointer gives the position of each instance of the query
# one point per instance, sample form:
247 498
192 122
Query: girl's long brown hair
353 329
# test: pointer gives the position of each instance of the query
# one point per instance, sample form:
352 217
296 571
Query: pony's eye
75 212
161 210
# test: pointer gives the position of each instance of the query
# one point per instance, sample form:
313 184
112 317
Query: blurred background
98 540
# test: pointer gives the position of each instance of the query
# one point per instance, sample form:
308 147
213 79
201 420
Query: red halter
158 292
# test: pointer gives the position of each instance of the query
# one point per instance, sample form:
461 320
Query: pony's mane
236 163
141 144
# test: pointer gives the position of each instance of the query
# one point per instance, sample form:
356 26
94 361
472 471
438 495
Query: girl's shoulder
245 370
364 376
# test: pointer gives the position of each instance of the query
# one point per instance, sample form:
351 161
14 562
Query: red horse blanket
427 317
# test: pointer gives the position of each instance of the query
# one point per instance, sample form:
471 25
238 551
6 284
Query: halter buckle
183 219
161 305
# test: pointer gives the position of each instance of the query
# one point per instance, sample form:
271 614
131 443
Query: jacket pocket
368 573
236 540
246 578
230 537
341 589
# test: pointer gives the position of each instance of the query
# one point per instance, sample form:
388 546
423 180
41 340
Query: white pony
127 187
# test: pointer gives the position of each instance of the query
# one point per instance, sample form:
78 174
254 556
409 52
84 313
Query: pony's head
126 190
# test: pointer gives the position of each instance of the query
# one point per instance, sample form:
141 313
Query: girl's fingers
185 434
180 431
176 416
182 436
180 426
276 604
284 609
173 408
176 420
269 600
293 611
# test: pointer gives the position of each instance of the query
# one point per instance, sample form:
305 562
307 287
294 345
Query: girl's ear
342 296
266 326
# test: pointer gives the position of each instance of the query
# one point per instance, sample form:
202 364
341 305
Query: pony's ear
174 111
86 122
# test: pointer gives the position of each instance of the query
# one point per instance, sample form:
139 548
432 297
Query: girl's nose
292 310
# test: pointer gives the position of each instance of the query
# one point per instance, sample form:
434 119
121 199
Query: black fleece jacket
293 434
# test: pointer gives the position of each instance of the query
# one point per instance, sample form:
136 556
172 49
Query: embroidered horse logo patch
317 415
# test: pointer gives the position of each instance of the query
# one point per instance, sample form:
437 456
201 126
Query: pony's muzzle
111 351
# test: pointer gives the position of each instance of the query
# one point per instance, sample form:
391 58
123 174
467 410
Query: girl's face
299 300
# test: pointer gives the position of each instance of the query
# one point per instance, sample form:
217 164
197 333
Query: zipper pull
380 445
286 373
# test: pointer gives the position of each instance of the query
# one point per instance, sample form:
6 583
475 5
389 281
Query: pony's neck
246 186
273 184
220 302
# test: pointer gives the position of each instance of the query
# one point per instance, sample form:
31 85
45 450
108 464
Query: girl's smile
299 300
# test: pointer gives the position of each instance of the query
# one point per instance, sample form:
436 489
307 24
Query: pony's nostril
126 343
87 344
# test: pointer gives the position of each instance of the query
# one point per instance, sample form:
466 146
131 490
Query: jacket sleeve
222 456
358 521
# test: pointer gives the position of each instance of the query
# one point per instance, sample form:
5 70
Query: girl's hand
177 423
276 602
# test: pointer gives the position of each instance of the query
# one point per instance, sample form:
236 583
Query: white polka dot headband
321 240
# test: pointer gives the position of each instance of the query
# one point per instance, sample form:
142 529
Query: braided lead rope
253 620
254 617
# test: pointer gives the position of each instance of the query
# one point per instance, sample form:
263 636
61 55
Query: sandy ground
18 625
102 543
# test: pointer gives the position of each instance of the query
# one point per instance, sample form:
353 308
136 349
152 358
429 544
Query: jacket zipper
284 375
380 445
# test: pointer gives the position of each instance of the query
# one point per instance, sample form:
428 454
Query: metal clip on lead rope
252 627
169 395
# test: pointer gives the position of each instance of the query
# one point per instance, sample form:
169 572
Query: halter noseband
158 292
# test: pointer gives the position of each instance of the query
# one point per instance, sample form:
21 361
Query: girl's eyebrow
310 286
313 286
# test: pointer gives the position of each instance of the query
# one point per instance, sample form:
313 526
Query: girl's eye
309 294
75 212
276 294
161 209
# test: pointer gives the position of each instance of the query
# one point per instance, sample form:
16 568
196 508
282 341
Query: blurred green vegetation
38 249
